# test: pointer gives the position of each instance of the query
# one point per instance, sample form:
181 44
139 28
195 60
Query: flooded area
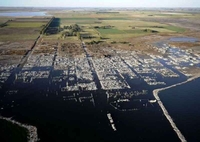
183 39
107 98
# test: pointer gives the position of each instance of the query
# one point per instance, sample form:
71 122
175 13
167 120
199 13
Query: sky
101 3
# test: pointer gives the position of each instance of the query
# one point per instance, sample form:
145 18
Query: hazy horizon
104 3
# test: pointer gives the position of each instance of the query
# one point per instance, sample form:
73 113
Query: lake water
182 103
184 39
22 13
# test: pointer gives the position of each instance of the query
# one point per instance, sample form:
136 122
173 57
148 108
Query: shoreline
167 115
32 130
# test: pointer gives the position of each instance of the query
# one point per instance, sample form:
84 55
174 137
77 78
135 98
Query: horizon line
92 7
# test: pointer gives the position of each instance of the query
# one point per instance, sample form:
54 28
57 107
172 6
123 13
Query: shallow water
61 116
58 119
184 39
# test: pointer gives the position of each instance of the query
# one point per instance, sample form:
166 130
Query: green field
25 24
22 29
137 31
110 31
113 18
175 29
79 18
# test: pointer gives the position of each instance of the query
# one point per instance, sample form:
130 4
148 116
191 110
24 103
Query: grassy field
124 24
110 31
113 18
25 24
22 29
3 20
136 31
16 37
79 18
122 27
175 29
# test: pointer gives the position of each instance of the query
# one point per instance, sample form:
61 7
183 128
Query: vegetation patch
78 18
86 36
104 27
136 31
106 12
72 30
175 29
25 24
94 42
110 31
113 18
150 30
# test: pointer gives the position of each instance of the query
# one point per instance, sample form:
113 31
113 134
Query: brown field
17 38
45 47
10 59
70 50
100 50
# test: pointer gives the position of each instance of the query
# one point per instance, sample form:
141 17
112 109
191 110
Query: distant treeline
104 12
104 27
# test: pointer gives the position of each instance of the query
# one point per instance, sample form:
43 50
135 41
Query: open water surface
23 13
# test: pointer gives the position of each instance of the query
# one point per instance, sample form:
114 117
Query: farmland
22 29
126 29
124 25
110 31
17 37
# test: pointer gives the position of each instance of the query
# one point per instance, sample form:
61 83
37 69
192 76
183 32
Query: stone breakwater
167 115
169 118
32 130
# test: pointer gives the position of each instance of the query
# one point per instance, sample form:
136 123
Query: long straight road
25 58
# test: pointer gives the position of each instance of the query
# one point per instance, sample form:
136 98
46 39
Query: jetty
167 115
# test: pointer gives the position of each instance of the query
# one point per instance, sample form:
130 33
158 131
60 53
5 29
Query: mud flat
32 130
167 115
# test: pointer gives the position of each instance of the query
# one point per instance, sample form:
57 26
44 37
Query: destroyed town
99 74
